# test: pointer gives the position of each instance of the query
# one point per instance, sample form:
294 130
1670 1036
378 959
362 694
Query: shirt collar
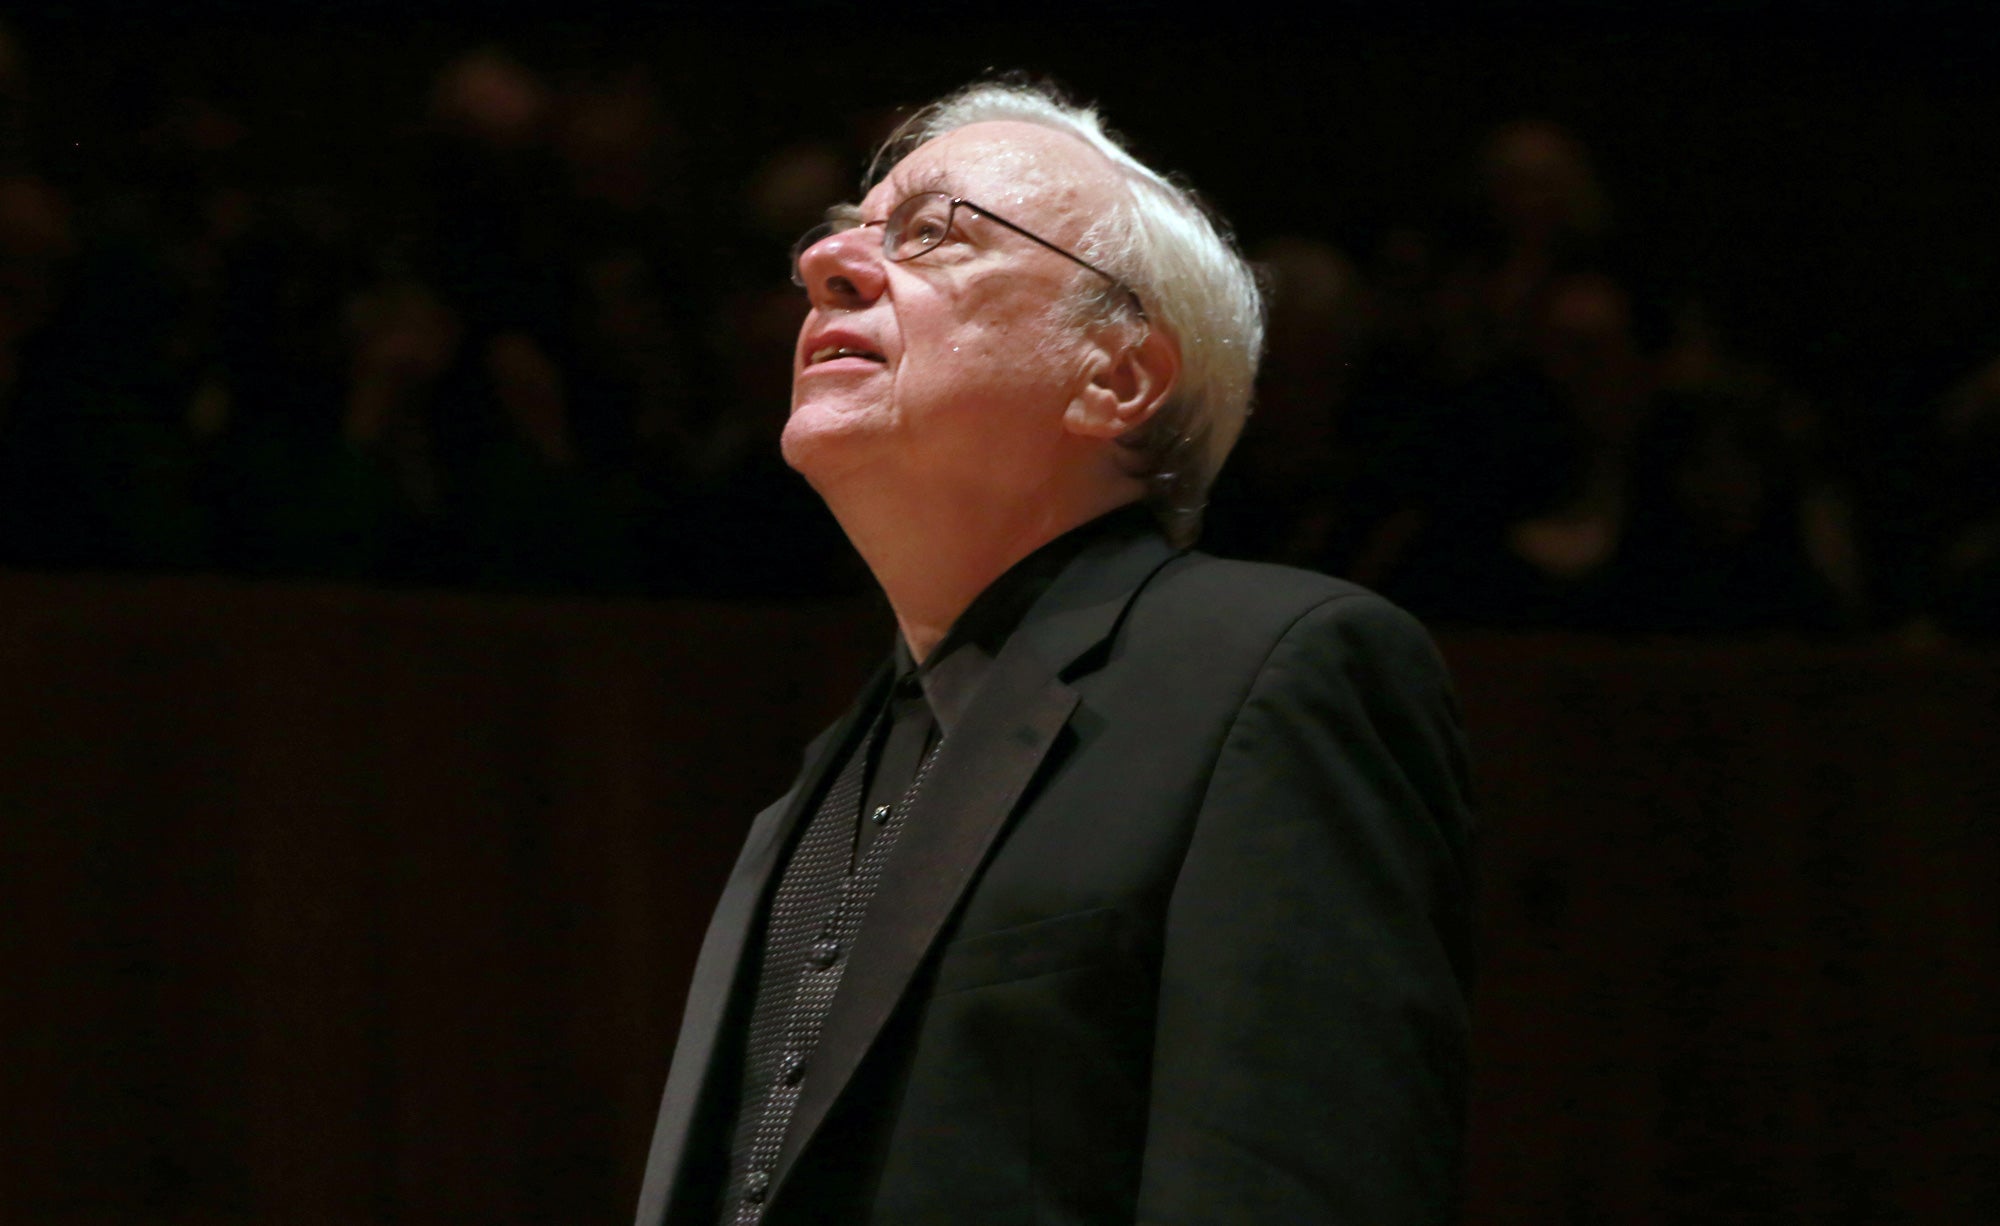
952 674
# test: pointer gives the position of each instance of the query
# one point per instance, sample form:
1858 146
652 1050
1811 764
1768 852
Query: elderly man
1134 887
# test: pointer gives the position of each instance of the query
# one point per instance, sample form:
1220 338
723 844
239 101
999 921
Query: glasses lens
918 224
838 221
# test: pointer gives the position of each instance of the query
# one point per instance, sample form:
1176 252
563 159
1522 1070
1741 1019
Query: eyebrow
935 180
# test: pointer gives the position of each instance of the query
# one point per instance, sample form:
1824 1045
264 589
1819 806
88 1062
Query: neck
933 555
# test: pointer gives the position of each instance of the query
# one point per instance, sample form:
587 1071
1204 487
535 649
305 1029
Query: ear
1129 380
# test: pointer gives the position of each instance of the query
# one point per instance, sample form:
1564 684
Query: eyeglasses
923 221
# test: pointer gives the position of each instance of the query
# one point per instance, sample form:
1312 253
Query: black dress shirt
927 699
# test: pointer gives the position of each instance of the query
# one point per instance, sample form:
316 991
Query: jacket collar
1041 586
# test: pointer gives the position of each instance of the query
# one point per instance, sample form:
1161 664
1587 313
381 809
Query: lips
836 346
829 352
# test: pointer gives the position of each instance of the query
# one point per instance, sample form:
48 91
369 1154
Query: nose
843 271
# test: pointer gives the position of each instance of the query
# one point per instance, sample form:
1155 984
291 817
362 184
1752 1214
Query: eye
919 225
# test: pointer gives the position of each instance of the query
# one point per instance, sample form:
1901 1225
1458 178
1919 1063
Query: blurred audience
1966 583
1287 492
533 349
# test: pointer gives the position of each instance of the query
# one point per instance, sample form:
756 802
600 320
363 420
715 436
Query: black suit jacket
1177 931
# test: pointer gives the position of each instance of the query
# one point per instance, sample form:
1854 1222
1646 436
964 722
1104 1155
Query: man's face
968 369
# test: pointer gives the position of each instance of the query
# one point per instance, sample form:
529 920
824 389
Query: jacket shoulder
1203 629
1228 601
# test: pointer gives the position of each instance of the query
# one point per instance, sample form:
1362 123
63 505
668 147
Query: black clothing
1176 929
830 877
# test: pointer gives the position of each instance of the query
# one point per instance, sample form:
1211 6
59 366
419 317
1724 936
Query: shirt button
880 815
795 1068
755 1186
824 954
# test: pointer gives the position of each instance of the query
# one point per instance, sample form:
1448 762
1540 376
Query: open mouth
831 353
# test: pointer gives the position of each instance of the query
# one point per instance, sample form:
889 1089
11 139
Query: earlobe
1126 387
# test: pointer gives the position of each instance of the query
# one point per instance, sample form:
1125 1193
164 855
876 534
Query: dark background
1825 173
331 903
561 238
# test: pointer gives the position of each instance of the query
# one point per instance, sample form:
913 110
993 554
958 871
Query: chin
823 437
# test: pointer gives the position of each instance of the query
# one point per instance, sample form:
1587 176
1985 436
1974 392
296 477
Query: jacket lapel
982 769
718 968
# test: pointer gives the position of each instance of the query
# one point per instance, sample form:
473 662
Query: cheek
984 389
988 347
942 365
994 357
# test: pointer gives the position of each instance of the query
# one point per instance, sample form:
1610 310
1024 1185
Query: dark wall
329 905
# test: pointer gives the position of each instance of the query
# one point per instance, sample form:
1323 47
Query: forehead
1004 164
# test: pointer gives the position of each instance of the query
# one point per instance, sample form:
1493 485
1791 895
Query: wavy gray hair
1165 243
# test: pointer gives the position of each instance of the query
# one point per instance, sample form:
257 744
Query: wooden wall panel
340 906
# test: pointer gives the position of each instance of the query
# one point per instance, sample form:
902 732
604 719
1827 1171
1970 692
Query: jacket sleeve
1309 1061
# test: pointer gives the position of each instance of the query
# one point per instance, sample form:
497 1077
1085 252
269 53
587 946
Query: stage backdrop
331 906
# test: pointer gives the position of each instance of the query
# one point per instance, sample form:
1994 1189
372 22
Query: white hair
1163 242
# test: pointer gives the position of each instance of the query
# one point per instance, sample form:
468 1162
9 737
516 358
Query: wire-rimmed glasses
923 221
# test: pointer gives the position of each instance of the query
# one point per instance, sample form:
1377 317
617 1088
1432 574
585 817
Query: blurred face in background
35 237
1539 183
